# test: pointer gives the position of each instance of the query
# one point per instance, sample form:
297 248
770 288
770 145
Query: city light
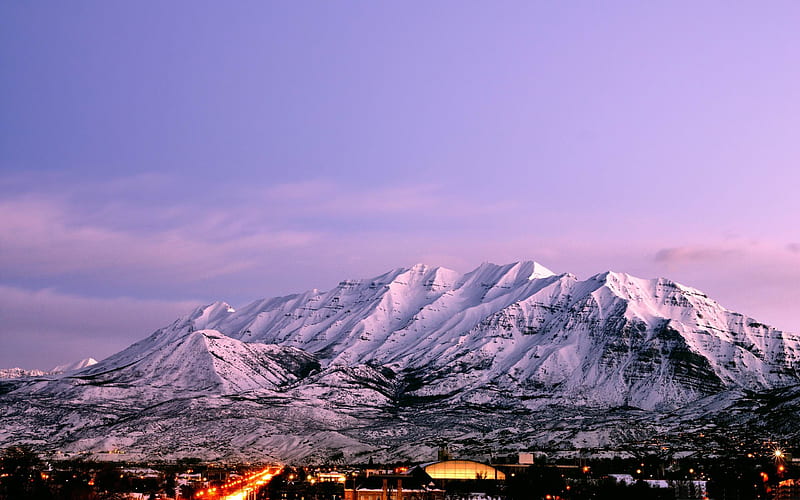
238 489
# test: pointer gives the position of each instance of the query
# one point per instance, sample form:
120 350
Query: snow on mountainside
77 365
475 359
612 339
204 361
19 373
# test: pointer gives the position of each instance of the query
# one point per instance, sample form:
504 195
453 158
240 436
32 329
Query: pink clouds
41 236
693 254
182 240
758 255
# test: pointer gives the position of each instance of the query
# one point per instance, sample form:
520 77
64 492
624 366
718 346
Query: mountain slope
203 361
612 339
476 359
77 365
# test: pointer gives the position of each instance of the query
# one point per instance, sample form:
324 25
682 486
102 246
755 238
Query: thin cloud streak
677 255
422 200
43 233
44 237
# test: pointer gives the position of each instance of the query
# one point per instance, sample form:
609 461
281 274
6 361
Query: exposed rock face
413 357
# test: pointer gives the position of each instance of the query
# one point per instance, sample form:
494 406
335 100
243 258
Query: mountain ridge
422 351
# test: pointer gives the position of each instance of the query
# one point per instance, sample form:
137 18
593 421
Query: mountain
504 357
20 372
77 365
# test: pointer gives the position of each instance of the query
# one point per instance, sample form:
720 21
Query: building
330 477
392 487
788 490
463 470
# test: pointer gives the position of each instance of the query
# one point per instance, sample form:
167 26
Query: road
244 488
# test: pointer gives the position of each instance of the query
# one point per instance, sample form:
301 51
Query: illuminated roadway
244 488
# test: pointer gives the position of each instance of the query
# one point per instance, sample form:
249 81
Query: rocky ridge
501 358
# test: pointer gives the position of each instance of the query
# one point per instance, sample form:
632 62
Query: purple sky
158 155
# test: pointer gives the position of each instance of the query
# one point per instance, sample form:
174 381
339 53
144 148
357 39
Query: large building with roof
412 486
463 470
426 482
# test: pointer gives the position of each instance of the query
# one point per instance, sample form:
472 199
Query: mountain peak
77 365
331 366
206 315
539 272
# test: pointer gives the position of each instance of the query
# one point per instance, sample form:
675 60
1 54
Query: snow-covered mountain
20 372
399 362
76 365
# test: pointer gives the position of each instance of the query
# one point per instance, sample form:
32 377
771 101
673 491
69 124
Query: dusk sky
155 156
